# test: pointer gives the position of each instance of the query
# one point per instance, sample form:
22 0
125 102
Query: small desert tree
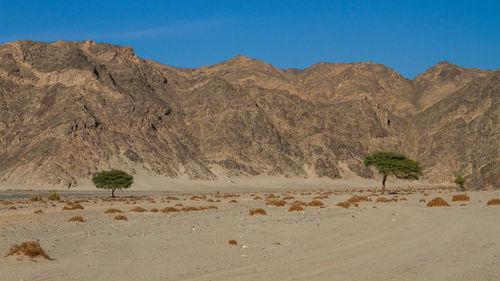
394 164
460 182
113 180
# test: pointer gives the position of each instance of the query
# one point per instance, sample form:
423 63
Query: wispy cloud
179 29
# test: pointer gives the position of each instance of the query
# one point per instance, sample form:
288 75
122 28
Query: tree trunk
383 184
113 192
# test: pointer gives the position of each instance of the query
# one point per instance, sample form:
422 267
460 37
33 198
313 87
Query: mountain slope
69 109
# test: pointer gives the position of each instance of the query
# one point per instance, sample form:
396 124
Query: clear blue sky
409 36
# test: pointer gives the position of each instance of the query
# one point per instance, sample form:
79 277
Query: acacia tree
394 164
460 182
113 180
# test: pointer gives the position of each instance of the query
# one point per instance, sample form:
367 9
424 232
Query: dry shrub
492 202
315 203
31 249
212 207
73 207
277 203
257 211
154 210
138 210
233 201
121 218
76 219
298 202
210 200
179 205
462 205
196 197
288 197
38 212
7 203
190 208
344 204
257 198
171 198
112 211
383 200
12 208
38 196
422 200
170 210
321 197
305 193
460 197
272 195
295 208
276 243
438 202
357 199
232 242
426 194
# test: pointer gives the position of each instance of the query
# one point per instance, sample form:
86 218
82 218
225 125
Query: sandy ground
403 240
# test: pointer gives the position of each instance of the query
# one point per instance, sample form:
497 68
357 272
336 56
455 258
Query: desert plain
321 234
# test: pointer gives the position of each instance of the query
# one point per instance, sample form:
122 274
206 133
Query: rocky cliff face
69 109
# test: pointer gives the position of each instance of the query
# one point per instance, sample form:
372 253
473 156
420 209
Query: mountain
70 109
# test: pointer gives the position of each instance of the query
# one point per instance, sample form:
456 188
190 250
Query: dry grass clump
112 211
31 249
289 197
438 202
272 195
12 208
257 211
233 201
72 207
171 198
190 208
300 203
196 197
154 210
422 200
384 200
170 210
138 210
492 202
295 208
36 196
357 199
232 242
315 203
76 219
257 198
321 197
121 218
277 203
344 205
210 200
38 212
460 197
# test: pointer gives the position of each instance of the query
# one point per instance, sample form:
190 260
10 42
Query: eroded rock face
69 109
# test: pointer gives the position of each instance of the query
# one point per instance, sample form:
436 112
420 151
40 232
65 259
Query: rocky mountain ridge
69 109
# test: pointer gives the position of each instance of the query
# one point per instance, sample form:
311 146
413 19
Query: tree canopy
113 180
394 164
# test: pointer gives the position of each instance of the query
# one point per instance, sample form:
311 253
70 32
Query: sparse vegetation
138 210
31 249
112 211
492 202
438 202
295 208
277 203
232 242
53 196
76 219
121 218
36 197
315 203
170 210
460 197
113 180
460 182
257 211
394 164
